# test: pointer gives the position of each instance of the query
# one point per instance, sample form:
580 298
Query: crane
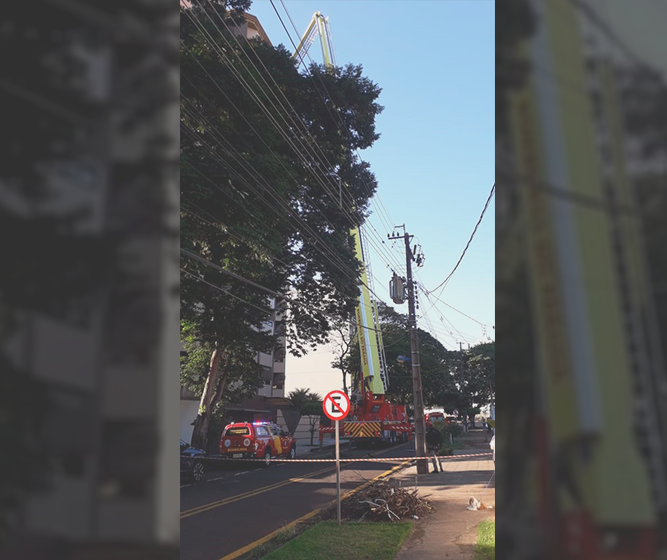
373 417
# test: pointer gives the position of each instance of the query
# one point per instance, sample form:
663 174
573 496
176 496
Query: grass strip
350 541
485 549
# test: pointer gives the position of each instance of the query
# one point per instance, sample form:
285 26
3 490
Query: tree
455 380
435 360
309 404
343 343
302 397
313 410
258 201
476 381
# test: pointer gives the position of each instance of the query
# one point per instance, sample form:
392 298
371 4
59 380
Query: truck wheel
267 459
292 453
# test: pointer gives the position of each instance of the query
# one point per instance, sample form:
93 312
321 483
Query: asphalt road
240 503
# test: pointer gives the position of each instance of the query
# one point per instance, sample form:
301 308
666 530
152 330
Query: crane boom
368 325
319 25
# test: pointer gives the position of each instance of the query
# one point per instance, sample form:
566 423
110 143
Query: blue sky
435 159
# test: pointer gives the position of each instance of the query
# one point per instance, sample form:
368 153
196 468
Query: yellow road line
266 538
250 494
212 505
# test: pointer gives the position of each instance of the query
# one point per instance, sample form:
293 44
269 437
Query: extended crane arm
319 25
373 363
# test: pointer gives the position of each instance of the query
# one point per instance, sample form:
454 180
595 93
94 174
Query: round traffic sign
336 405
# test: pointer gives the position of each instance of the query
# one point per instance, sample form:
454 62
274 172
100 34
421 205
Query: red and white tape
375 459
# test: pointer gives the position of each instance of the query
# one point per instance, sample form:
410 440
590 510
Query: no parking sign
336 405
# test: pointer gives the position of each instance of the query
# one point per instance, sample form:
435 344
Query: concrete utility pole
465 416
418 395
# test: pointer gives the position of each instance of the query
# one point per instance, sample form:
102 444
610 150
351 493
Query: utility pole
465 417
418 395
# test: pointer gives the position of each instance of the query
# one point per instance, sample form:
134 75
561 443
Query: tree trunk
312 429
344 382
207 404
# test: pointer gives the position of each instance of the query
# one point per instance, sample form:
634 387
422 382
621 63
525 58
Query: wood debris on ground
382 501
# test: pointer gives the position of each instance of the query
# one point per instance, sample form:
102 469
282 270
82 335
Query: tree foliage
343 341
304 399
259 142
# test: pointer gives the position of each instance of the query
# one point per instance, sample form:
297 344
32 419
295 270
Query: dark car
192 464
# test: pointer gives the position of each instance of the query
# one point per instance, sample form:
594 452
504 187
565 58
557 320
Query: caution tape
367 459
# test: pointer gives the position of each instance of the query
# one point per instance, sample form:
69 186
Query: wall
188 414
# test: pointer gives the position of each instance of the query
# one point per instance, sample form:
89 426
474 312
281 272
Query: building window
279 355
267 374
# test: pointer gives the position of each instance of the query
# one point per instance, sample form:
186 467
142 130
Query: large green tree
476 381
452 379
436 361
266 152
301 397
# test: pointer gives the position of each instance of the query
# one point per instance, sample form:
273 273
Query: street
241 503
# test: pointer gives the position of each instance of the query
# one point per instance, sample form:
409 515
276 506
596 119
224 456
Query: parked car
256 440
192 465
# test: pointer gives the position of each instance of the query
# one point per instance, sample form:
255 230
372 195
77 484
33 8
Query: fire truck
373 418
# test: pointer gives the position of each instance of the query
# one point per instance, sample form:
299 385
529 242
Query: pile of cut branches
382 501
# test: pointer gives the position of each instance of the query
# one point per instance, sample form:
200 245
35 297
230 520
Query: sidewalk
450 531
329 448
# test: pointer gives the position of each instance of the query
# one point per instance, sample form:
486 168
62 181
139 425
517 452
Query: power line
281 202
472 235
283 116
454 308
371 241
380 205
265 310
256 98
246 86
252 171
262 106
230 273
323 254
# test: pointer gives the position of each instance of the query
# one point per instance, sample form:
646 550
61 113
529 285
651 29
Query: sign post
336 406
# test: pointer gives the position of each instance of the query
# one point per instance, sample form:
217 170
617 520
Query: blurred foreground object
89 286
578 282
